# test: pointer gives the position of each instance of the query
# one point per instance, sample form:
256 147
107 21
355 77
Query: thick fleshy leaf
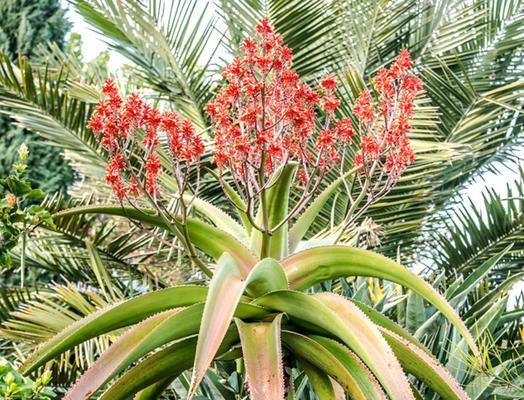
211 240
160 368
266 276
366 341
114 317
425 367
315 265
321 382
262 354
142 339
154 391
338 362
304 221
306 349
365 379
277 205
384 322
344 320
225 290
132 345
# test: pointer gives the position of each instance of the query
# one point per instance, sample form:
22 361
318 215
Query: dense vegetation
27 27
253 209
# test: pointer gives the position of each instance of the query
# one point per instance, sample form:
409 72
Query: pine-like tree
25 25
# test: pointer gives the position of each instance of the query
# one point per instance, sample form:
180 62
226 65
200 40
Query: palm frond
473 233
35 99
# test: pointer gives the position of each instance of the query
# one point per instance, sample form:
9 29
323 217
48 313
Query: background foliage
26 24
469 122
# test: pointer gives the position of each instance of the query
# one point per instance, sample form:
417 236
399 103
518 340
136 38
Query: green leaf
160 368
384 323
488 320
277 209
477 275
266 276
316 354
304 221
101 273
133 344
225 290
114 317
153 391
415 311
315 265
322 384
458 296
145 337
234 197
262 354
481 306
352 363
212 241
35 194
220 218
343 319
425 367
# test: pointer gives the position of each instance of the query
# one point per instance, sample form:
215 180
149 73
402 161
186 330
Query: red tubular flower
152 170
328 83
117 124
384 136
264 114
344 130
401 65
363 107
114 175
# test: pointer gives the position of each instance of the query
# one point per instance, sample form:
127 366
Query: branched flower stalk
129 130
263 119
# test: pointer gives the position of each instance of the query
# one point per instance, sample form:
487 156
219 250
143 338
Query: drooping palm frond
473 234
50 311
484 34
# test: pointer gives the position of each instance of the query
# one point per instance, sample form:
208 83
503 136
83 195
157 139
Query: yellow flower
375 294
23 152
521 331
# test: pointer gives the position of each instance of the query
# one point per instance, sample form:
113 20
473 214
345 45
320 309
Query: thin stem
22 260
172 226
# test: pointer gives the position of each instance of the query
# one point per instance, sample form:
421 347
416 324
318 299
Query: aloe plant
271 158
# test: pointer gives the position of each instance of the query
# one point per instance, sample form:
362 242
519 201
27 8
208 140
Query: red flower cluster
265 117
119 123
384 131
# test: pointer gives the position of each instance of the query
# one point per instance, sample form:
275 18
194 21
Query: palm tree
469 54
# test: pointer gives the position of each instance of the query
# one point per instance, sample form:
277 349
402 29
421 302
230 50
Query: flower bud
11 200
23 152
